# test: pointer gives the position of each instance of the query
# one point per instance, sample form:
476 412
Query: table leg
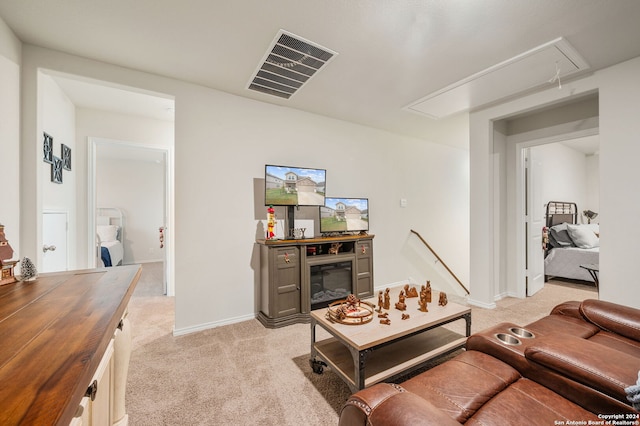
359 364
467 319
316 365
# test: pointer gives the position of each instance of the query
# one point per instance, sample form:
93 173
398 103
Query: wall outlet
403 202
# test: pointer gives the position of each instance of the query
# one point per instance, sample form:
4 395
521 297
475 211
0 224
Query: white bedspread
116 251
565 262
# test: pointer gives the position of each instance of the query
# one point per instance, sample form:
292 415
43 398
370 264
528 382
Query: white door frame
169 248
520 237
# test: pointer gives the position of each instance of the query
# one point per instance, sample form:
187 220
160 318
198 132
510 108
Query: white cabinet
104 404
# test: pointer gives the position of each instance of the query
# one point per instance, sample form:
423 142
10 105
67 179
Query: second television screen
344 215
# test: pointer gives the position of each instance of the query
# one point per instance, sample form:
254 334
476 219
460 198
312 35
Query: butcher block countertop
53 334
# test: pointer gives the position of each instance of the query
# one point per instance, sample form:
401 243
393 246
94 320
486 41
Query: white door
54 241
534 221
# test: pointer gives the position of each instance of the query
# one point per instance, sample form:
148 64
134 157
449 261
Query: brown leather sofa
570 367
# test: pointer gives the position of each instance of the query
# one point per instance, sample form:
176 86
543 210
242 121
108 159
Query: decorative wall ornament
56 170
47 149
66 157
57 163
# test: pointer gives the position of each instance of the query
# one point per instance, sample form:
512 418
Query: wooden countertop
53 334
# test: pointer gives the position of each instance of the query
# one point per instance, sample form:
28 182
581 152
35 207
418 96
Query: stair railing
440 260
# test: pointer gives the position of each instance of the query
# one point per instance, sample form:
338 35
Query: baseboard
481 304
210 325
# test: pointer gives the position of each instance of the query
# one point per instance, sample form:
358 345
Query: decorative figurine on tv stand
271 223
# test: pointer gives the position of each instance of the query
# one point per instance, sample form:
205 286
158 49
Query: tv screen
344 215
294 186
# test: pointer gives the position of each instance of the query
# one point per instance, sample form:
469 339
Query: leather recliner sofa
570 367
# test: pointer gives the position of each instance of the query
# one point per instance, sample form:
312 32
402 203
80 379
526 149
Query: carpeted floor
246 374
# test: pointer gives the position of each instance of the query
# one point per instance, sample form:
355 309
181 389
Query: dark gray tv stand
285 274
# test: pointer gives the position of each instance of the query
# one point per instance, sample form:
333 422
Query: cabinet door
287 281
364 263
100 405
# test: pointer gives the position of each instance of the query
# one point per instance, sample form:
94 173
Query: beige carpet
245 374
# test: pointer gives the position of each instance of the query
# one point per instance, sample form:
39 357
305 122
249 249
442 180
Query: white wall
619 202
57 114
137 188
566 176
10 53
221 145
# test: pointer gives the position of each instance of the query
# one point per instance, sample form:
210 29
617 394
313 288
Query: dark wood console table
286 269
57 332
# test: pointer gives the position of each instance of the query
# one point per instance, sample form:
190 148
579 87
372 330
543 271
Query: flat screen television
344 215
294 186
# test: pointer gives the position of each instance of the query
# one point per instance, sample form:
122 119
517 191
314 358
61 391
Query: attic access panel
288 65
528 70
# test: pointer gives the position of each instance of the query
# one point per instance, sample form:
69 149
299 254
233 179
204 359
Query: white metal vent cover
537 67
288 65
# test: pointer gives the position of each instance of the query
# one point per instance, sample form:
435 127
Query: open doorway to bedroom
131 192
518 240
561 167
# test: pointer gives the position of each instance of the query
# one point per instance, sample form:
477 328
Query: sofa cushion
529 403
563 324
462 385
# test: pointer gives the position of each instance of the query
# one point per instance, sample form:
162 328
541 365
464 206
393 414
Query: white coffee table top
373 333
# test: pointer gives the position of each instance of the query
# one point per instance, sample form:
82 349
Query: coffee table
365 354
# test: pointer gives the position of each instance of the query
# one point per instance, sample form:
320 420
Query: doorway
543 180
137 180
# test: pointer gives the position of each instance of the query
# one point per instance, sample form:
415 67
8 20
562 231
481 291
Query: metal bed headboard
561 212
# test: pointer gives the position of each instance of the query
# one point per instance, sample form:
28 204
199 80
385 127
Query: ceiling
389 54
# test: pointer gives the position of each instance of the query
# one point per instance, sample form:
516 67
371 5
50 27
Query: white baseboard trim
481 304
210 325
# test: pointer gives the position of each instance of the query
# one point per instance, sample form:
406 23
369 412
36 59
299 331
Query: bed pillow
560 236
108 233
583 237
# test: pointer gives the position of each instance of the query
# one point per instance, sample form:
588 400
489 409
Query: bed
110 235
569 244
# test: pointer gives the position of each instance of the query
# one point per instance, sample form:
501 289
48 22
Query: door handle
46 248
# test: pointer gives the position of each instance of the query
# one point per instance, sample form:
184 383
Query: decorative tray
350 312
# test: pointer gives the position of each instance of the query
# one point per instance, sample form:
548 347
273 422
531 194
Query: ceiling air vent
288 65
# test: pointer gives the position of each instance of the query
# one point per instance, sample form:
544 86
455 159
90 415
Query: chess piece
387 299
383 315
385 321
405 316
401 305
422 303
380 300
443 299
410 292
428 289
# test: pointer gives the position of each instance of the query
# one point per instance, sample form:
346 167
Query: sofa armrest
594 365
619 319
569 309
386 404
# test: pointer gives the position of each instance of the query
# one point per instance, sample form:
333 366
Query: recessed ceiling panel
546 64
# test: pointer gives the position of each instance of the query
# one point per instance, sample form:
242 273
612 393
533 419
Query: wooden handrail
440 260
